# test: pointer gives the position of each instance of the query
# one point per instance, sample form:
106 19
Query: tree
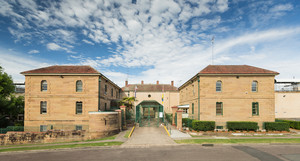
10 105
128 101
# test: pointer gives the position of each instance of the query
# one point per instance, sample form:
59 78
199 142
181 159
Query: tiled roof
235 69
74 69
149 87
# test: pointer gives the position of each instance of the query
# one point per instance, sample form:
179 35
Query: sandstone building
67 97
224 93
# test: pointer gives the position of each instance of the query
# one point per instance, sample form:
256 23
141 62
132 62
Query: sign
161 114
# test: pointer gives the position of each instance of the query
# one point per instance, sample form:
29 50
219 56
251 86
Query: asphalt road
162 153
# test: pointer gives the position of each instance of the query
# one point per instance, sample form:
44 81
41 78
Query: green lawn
238 141
61 146
127 134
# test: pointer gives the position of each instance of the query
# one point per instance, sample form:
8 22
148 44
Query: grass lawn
127 133
238 141
61 146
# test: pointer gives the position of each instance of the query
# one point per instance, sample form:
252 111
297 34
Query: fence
56 127
11 128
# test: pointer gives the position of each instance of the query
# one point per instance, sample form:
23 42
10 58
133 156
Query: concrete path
148 136
176 134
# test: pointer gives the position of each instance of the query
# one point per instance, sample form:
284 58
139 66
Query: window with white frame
218 86
44 85
79 86
254 86
78 107
43 128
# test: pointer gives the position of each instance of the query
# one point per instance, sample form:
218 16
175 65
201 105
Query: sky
150 40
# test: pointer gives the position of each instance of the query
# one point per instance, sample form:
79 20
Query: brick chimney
126 83
157 82
172 83
142 82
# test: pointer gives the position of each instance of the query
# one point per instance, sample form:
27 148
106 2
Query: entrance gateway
149 113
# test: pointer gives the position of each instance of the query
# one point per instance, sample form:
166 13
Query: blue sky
150 40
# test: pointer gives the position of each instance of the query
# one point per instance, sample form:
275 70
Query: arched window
44 85
79 86
254 86
218 86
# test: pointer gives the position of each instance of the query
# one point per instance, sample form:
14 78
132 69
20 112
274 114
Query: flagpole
212 50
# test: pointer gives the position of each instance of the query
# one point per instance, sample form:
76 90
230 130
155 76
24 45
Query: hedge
187 122
242 125
11 128
169 118
276 126
203 125
293 124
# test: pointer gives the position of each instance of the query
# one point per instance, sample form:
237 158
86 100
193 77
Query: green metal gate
149 113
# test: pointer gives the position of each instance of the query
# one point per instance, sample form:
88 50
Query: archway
149 113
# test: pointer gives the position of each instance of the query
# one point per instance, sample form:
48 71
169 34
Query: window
218 86
105 106
43 128
112 92
78 107
219 108
255 108
105 89
193 90
79 86
192 108
254 86
116 94
185 110
78 127
44 85
43 107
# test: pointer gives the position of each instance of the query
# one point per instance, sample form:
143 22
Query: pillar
123 108
179 119
120 119
174 109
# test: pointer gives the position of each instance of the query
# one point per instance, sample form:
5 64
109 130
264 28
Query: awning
184 106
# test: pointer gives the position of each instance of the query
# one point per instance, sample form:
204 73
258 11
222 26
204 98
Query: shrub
187 122
242 125
292 124
203 125
169 118
277 126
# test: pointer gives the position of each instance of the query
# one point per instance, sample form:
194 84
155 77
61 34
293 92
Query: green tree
128 101
10 105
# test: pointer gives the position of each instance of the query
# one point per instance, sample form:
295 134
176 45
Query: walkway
148 136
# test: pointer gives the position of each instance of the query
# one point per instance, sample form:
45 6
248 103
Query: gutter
99 89
198 97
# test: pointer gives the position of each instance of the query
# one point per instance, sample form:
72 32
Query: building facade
224 93
62 97
165 94
287 102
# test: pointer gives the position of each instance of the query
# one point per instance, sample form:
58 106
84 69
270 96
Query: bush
203 125
169 118
277 126
11 128
292 124
242 125
187 122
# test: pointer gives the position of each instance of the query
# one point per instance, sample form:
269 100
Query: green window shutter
192 108
257 108
222 107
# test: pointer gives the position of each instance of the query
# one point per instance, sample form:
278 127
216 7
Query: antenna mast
212 50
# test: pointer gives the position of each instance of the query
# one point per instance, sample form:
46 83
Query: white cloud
53 46
14 63
33 52
88 42
281 7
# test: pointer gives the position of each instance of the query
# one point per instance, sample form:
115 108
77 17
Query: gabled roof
235 69
60 69
149 87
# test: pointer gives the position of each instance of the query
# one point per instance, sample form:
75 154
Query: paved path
148 136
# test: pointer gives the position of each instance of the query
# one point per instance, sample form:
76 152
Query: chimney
142 82
157 82
172 83
126 83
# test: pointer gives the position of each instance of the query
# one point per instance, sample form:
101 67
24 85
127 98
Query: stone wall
41 137
287 104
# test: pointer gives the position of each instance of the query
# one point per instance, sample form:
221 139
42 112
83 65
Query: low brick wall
41 137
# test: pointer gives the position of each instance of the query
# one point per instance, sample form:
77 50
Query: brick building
224 93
